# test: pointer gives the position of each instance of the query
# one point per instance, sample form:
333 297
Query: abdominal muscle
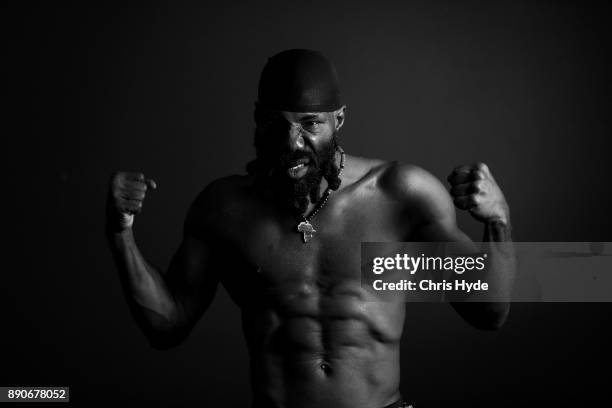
314 349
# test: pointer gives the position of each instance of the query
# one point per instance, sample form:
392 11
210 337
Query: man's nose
296 140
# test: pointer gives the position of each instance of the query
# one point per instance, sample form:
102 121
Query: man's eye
312 124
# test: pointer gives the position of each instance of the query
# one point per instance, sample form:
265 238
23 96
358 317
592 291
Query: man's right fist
126 193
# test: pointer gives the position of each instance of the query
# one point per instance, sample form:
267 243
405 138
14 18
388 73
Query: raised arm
166 306
434 220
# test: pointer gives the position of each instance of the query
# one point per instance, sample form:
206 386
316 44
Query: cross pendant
307 230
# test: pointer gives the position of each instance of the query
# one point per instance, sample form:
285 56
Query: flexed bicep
193 277
194 272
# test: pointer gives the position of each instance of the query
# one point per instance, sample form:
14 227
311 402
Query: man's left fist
473 188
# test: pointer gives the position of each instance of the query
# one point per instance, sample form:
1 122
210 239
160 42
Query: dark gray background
169 90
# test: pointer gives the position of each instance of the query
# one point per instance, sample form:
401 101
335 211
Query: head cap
299 80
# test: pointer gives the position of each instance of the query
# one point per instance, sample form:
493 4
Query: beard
293 194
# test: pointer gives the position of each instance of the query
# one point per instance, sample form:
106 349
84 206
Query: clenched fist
473 188
126 194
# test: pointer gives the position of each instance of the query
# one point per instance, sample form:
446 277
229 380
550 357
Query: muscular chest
275 259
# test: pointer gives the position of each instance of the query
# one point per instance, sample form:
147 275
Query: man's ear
339 117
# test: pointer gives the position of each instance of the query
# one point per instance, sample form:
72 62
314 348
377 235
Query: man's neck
269 188
311 205
322 186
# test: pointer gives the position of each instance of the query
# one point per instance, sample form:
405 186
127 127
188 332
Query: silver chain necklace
305 227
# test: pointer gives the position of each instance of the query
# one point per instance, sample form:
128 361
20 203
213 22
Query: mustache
288 158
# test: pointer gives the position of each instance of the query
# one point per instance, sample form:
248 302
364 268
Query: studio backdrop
169 90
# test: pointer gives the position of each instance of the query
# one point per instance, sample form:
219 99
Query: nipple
325 367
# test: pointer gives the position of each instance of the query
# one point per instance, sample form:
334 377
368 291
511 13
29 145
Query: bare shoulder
421 191
400 181
215 203
406 179
362 168
394 178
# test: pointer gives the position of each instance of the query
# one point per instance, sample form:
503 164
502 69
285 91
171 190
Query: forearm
490 309
149 297
501 264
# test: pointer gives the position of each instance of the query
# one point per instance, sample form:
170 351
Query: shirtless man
284 240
